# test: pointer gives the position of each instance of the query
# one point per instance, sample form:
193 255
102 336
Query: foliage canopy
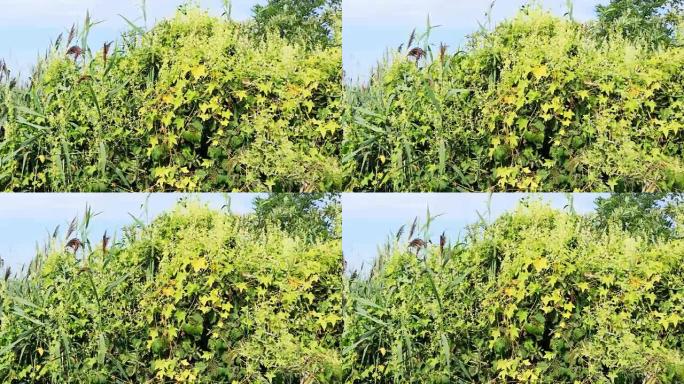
537 296
314 21
539 103
197 296
310 216
197 103
654 22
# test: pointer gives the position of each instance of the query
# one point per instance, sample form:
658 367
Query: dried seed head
71 229
4 70
59 40
400 232
442 52
105 242
72 34
413 228
412 38
442 243
105 52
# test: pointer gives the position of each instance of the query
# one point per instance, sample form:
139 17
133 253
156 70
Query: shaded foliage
652 21
314 21
311 216
652 216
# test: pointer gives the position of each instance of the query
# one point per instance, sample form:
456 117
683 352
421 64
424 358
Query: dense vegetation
537 296
195 103
197 296
654 22
539 103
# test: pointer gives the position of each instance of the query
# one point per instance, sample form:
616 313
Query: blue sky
368 219
371 27
26 220
28 26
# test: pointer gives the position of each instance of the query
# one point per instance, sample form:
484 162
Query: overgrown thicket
197 296
654 22
539 103
195 103
537 296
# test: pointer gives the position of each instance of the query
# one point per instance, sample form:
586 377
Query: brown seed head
105 52
105 242
72 34
412 38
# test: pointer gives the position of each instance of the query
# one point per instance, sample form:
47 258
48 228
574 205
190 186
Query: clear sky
368 219
28 26
370 27
26 220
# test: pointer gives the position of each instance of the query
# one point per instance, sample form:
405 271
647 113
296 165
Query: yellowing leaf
510 311
241 286
199 264
510 118
583 286
309 105
540 71
241 95
513 332
540 264
198 71
310 297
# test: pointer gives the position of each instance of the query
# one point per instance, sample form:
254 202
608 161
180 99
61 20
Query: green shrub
537 296
309 216
197 296
195 103
314 21
654 22
537 104
647 215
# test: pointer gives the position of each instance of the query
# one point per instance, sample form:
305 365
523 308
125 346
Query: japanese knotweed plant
539 103
537 296
197 103
197 296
